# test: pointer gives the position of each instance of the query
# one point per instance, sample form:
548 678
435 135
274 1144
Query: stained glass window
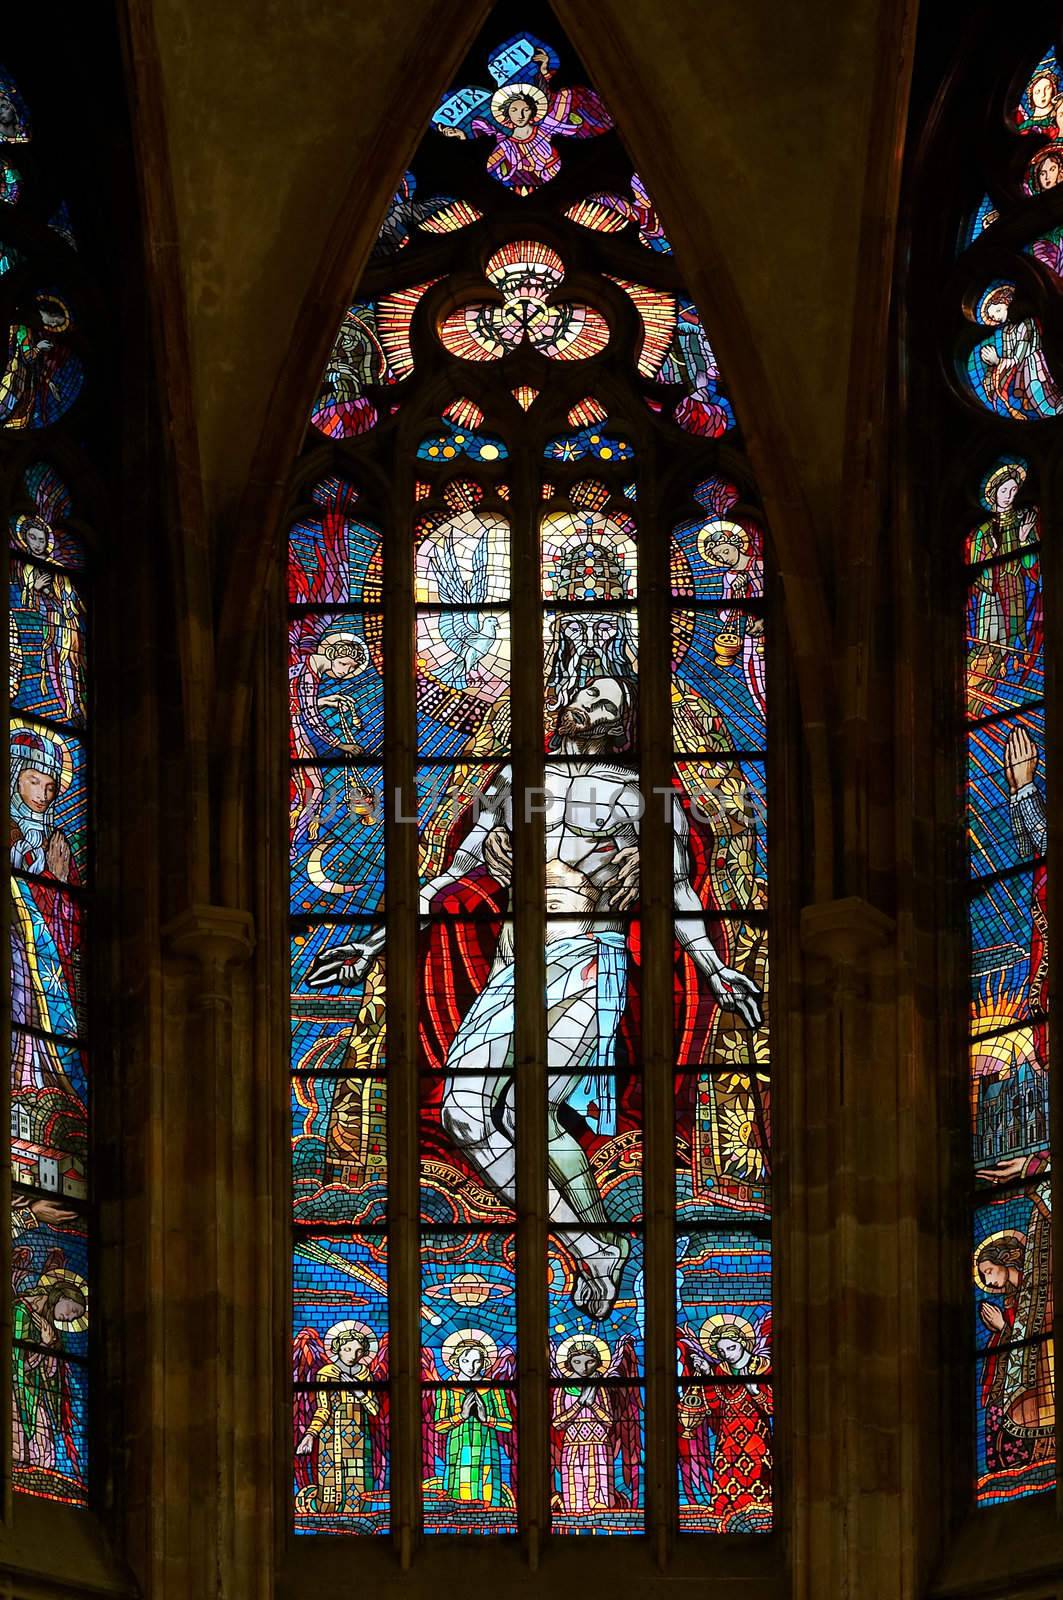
1008 369
515 498
50 855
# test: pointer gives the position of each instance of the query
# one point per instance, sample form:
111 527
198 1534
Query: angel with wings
593 1424
45 1307
524 118
340 1428
469 1424
725 1426
468 634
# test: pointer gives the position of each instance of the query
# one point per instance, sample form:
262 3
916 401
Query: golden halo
1007 1236
600 1345
69 1280
352 1326
713 531
714 1327
54 306
999 475
66 760
67 772
466 1336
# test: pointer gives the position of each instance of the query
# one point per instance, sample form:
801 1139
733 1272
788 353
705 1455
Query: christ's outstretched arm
490 812
733 990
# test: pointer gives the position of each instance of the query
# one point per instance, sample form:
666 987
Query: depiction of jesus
592 809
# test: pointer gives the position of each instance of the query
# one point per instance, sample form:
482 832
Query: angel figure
738 549
405 213
42 378
703 410
1018 1385
341 1452
1041 109
469 1424
725 1428
342 409
45 1308
525 119
594 1423
1014 380
14 122
336 653
621 210
468 634
54 597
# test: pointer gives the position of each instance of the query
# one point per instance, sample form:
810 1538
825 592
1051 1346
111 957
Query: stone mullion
657 910
400 976
528 912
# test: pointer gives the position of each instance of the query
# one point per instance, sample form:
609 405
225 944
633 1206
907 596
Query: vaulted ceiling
770 134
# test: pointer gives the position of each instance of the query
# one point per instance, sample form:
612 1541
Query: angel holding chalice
737 549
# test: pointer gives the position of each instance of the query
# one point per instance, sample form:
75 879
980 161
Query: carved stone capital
844 932
212 935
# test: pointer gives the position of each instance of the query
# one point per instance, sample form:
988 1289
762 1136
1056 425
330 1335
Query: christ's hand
624 889
498 855
735 992
343 963
305 1445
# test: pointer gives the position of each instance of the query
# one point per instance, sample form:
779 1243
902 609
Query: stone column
849 1509
216 1540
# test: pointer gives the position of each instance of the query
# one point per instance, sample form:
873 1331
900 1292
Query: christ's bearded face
596 712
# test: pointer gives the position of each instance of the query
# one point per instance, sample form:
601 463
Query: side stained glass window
523 480
50 849
1009 369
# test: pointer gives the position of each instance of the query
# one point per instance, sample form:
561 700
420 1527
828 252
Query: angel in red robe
725 1426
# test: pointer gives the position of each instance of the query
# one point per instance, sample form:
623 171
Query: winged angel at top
524 115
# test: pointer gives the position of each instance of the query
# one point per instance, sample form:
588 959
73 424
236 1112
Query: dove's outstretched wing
478 587
450 585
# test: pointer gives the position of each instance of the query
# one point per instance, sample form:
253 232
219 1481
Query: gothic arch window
998 326
44 312
529 980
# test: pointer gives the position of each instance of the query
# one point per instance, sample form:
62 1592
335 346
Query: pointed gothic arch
451 338
982 329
